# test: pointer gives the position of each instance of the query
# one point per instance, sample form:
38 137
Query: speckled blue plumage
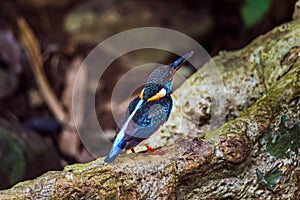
147 120
143 116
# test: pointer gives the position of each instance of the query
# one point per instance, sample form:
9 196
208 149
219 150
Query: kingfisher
148 111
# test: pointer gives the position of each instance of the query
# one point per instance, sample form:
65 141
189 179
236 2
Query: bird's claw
154 152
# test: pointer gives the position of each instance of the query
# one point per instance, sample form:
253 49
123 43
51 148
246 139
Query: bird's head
159 83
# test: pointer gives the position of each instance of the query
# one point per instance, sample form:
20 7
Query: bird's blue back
146 120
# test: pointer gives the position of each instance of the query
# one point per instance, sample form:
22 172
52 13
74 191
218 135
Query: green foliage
269 179
11 158
254 10
281 142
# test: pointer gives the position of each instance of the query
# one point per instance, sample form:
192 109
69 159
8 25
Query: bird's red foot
152 151
132 150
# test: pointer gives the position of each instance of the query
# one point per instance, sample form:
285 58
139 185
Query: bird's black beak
179 62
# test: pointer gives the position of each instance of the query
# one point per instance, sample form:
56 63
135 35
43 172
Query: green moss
268 180
80 167
282 141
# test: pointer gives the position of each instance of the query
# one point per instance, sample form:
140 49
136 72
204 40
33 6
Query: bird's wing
119 142
147 120
127 113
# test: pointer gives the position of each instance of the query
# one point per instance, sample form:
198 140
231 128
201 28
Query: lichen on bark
247 75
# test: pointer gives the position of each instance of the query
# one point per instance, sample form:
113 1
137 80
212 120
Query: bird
148 111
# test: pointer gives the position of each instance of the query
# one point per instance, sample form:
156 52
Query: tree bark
246 158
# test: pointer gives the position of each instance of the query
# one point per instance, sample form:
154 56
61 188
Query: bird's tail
114 152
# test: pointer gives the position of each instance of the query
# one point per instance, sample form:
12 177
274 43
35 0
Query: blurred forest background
46 41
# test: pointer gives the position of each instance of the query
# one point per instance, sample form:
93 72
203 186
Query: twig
33 52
